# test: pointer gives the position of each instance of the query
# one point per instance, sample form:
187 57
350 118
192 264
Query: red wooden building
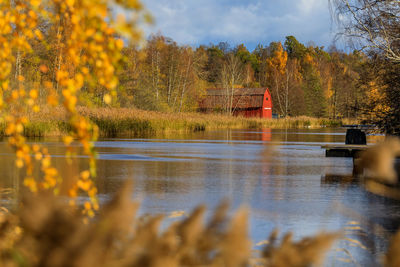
247 102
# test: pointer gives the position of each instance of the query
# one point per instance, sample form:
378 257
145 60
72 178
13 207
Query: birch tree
371 24
230 77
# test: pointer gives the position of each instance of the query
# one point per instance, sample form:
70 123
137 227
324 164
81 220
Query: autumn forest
164 76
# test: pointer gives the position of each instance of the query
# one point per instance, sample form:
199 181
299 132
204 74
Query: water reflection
276 173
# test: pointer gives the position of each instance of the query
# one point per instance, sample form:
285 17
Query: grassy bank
118 122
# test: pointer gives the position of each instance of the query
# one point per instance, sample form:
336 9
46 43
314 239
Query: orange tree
90 36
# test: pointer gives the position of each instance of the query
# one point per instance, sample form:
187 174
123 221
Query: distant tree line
303 80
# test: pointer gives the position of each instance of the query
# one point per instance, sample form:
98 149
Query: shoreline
132 122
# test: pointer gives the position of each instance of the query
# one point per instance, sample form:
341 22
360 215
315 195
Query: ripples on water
278 174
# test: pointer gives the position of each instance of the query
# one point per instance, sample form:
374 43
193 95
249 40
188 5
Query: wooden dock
348 151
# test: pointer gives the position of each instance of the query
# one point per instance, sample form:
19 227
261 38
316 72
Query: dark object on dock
343 179
346 151
356 141
355 137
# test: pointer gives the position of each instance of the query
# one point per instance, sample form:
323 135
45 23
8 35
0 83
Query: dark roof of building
236 92
243 98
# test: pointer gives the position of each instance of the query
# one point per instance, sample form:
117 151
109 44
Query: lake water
282 176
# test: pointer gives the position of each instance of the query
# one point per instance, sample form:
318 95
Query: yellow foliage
279 60
67 140
376 96
30 182
38 156
309 59
107 99
19 163
85 175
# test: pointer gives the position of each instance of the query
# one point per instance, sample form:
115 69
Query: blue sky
195 22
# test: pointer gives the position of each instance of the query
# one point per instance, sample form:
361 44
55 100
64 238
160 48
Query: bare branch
376 24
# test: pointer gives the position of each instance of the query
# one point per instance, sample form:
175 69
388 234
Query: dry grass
306 252
378 161
46 232
392 258
117 122
377 170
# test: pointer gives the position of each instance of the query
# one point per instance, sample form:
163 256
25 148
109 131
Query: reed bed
131 122
44 231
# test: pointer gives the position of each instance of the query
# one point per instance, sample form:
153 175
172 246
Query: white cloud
308 6
196 22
